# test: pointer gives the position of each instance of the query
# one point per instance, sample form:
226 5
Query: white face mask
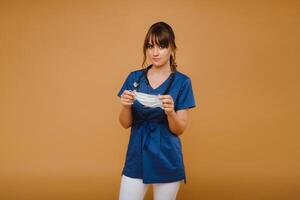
148 100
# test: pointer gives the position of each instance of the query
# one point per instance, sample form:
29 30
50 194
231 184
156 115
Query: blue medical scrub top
154 153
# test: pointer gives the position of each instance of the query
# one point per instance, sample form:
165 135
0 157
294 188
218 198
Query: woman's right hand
127 98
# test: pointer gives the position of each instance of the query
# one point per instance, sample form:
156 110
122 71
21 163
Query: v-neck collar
160 85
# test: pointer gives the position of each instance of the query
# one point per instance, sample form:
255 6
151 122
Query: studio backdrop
63 62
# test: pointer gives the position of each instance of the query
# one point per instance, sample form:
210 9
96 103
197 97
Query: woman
155 102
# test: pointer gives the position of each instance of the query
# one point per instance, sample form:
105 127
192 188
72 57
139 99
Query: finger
127 92
167 101
162 96
168 105
127 96
165 97
127 100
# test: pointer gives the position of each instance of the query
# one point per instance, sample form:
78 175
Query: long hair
161 34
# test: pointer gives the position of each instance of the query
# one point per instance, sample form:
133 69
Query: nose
155 51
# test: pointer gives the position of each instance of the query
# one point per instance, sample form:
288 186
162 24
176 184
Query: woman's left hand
167 103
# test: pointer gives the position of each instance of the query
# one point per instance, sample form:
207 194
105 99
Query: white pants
135 189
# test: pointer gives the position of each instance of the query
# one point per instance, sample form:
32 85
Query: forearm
125 117
177 123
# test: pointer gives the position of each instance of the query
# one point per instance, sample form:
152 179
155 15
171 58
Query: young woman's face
158 55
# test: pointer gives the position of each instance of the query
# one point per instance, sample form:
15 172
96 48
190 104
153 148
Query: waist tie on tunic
150 127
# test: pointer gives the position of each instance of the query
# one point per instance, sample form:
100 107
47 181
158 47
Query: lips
156 59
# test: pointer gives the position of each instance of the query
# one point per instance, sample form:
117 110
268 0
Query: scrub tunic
154 153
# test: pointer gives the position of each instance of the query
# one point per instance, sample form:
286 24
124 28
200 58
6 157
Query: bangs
160 38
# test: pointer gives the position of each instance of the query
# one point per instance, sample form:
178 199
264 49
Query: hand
167 103
127 98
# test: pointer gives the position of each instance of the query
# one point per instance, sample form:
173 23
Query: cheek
166 54
148 53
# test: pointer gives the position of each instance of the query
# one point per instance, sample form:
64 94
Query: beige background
63 62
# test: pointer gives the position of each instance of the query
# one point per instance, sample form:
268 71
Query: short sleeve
185 97
127 85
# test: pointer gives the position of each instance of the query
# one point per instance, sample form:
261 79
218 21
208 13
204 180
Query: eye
149 46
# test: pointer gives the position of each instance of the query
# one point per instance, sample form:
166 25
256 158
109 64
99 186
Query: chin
158 64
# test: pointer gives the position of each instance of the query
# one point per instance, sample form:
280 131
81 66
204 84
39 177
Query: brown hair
161 34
